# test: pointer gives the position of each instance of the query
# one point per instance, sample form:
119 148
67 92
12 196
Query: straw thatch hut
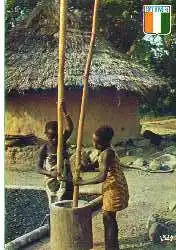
31 80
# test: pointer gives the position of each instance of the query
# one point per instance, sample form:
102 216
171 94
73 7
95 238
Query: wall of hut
28 113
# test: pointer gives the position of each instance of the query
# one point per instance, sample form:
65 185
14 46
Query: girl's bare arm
108 156
68 123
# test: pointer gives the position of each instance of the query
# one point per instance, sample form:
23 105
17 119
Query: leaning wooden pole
83 103
62 42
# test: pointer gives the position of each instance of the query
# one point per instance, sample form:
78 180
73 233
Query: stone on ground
172 205
171 150
164 160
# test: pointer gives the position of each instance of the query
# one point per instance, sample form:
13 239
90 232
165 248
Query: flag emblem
157 19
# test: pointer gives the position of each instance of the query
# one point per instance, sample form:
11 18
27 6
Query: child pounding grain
47 162
114 190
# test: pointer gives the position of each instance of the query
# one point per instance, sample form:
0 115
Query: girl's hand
78 181
60 177
53 174
64 108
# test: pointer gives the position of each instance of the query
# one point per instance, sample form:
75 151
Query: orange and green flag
157 19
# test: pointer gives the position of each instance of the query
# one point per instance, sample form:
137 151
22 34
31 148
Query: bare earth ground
160 126
149 193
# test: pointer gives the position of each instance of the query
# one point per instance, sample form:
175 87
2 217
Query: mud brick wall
27 114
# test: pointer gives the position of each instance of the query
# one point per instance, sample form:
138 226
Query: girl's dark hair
105 133
51 125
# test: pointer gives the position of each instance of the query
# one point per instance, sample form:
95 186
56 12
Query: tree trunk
83 103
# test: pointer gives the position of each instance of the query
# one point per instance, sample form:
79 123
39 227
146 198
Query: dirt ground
149 193
161 125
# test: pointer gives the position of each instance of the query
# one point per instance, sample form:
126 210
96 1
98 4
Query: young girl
114 190
47 162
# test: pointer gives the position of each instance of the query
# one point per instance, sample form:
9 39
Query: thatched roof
32 65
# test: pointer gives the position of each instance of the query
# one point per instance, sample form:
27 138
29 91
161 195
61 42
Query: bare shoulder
109 151
108 154
43 149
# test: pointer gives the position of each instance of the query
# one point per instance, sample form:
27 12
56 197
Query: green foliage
160 104
161 56
17 11
164 63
